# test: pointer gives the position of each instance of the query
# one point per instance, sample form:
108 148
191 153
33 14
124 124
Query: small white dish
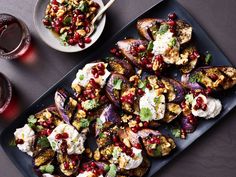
51 40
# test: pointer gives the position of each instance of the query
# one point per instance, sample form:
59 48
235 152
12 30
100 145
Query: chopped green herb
38 128
81 77
150 46
142 54
12 143
107 167
112 171
195 78
189 98
43 142
47 168
84 123
157 152
83 6
172 42
53 145
176 132
117 84
89 104
67 20
163 29
63 37
32 120
208 58
142 84
157 100
102 135
145 114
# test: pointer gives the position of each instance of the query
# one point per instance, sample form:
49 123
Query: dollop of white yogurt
84 75
126 162
155 103
75 140
28 136
214 107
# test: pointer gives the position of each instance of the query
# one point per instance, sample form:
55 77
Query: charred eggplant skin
43 157
112 92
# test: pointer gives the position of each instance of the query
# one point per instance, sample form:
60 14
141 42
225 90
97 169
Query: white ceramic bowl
51 40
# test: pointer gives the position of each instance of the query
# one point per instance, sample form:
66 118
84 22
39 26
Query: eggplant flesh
172 112
216 78
43 157
121 67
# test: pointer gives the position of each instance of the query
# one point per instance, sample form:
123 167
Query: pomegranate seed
159 58
213 77
149 86
55 8
132 155
101 72
134 129
81 43
92 95
208 91
145 124
138 119
46 22
157 141
77 11
58 136
71 41
76 36
48 131
172 30
19 141
141 48
172 16
199 100
115 139
54 2
65 135
196 107
66 165
113 50
96 75
204 107
149 66
57 29
138 146
81 16
87 40
93 164
171 22
196 54
101 66
124 148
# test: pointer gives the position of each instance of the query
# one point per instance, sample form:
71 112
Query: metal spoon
92 25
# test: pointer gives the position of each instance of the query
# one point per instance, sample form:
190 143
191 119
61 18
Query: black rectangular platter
24 163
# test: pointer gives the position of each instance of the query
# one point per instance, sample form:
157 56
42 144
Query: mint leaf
67 20
117 84
150 46
83 6
157 100
145 114
163 29
89 104
32 121
43 142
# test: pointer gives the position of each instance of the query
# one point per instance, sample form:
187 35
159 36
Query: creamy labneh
213 107
75 140
27 135
84 75
152 103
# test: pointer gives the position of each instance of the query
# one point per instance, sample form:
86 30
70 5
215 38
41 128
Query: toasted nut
97 155
81 32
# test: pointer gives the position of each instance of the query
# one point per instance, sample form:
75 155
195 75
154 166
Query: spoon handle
102 11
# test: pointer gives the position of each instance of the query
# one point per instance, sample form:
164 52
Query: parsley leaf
208 58
83 6
117 83
172 42
163 29
189 98
47 168
157 100
112 171
150 46
145 114
63 37
67 20
176 132
89 104
43 142
84 123
32 120
142 84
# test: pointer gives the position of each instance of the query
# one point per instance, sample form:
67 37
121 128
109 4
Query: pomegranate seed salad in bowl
65 25
123 102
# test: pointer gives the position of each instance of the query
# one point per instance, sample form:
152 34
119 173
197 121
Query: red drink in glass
5 93
14 37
